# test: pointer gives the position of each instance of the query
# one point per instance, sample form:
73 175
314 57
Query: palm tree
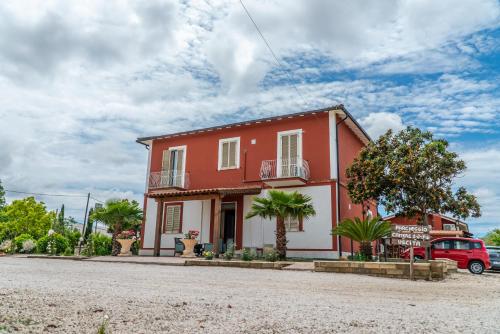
119 215
282 205
364 231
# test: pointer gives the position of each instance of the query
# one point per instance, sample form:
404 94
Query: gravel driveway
59 296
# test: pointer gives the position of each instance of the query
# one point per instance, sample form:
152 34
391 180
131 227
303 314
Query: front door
228 224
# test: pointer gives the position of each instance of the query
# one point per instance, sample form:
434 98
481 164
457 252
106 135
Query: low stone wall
237 264
431 270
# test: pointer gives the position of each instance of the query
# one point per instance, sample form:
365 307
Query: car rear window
476 245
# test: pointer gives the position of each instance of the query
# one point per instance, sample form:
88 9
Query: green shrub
20 239
7 246
358 257
54 244
73 236
247 255
97 245
208 255
70 251
228 256
29 246
271 256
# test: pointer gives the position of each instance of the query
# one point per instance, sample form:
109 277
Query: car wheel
418 257
476 267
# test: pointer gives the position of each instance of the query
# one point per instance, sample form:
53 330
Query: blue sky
80 81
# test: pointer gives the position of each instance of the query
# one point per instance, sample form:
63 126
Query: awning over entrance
216 195
222 192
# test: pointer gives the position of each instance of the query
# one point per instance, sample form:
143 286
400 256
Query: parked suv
494 252
469 253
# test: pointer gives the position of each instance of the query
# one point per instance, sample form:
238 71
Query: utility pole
84 224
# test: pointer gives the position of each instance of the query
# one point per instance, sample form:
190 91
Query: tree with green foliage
411 174
492 238
119 215
60 223
282 205
90 224
2 196
25 216
364 231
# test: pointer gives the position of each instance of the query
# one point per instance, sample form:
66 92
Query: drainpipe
338 178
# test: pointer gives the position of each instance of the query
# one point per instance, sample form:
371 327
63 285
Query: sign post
411 235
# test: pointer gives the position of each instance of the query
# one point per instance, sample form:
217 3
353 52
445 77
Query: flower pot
126 244
188 247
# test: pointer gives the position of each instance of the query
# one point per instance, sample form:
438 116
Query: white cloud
376 124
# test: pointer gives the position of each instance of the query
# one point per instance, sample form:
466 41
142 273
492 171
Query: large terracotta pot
126 244
188 247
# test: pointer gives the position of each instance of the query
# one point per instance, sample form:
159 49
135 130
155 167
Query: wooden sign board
410 235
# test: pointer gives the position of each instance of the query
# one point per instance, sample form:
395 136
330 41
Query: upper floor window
289 153
229 153
173 166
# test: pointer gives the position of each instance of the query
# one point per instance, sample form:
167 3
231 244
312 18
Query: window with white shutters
290 153
229 153
293 224
173 167
172 219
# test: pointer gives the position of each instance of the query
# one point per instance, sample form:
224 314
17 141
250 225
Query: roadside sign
412 236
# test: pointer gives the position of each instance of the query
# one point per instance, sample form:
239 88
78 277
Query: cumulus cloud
394 34
376 124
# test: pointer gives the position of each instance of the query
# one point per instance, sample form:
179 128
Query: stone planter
126 244
188 247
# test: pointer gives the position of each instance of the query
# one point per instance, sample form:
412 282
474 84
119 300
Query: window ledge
228 168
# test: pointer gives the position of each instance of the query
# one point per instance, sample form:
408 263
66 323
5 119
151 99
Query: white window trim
227 140
278 145
184 148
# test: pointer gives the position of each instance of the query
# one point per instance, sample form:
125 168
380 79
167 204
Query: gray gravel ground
57 296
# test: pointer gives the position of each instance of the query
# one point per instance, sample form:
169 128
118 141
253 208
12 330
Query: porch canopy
215 194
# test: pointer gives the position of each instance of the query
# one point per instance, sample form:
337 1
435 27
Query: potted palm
364 231
118 215
126 239
189 242
281 205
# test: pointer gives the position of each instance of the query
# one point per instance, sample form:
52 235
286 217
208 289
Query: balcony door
173 166
289 159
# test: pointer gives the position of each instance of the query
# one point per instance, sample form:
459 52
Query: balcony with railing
173 179
284 172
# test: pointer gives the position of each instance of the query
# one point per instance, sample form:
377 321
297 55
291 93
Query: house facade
206 180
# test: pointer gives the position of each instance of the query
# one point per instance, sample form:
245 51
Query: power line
44 194
52 195
97 200
272 52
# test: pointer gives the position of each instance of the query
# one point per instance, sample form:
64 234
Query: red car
469 253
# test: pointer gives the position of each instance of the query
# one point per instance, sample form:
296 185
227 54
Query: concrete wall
431 270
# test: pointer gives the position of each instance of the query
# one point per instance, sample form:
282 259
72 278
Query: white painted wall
332 125
316 234
195 216
149 228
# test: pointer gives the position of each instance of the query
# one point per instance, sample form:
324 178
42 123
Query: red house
206 179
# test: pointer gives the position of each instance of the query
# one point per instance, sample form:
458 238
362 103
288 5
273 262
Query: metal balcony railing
168 179
284 168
